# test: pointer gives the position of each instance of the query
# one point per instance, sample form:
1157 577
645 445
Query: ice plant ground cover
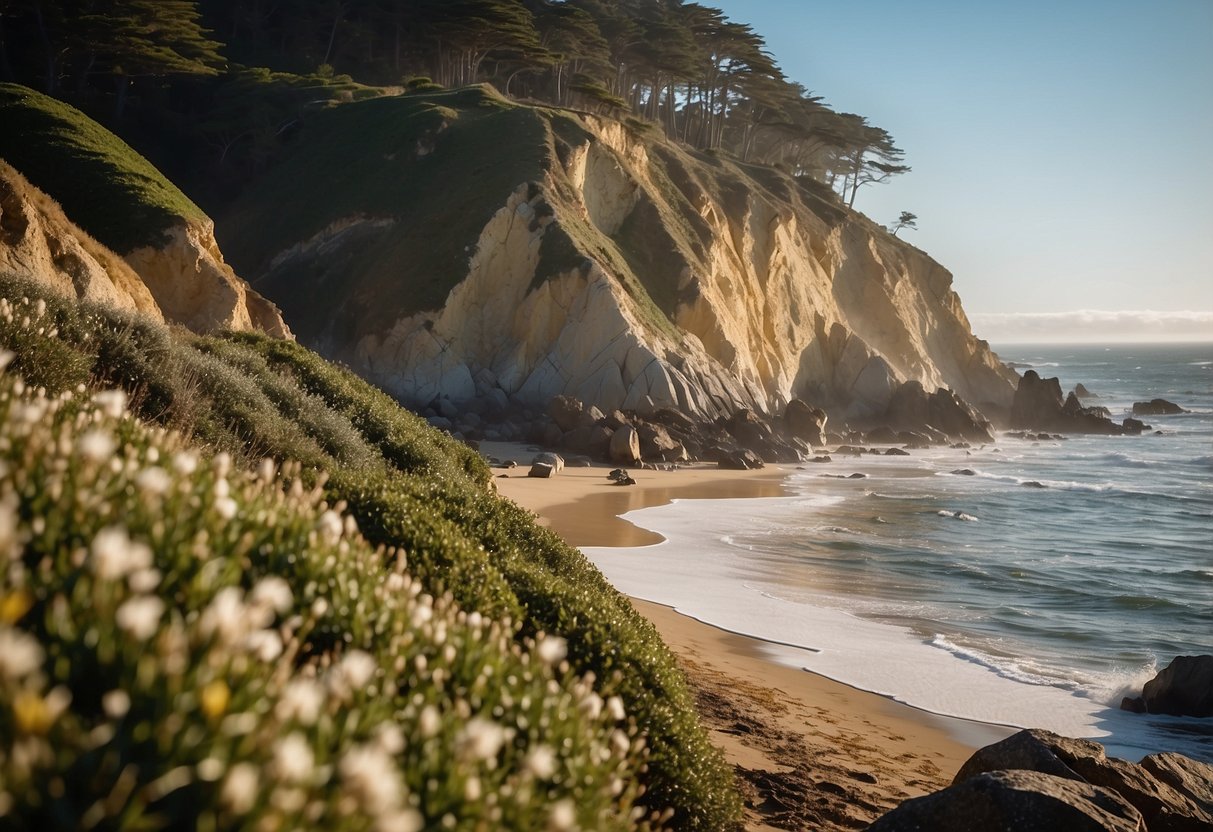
241 588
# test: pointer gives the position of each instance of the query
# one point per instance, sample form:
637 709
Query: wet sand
810 753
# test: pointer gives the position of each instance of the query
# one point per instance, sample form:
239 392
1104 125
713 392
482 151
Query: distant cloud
1093 325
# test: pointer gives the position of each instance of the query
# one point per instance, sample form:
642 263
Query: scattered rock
741 459
1157 407
1038 404
1013 801
542 470
883 435
1134 426
625 446
942 412
806 422
896 452
1082 392
1033 484
820 459
1189 777
556 461
965 472
1182 688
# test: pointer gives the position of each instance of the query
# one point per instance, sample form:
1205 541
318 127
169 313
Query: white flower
330 526
389 738
357 668
153 480
240 789
368 772
116 703
221 464
563 816
621 742
6 358
273 593
111 402
592 705
301 700
144 580
552 649
293 759
404 820
429 721
20 654
480 739
266 645
541 762
614 708
115 555
140 616
95 445
226 507
185 463
209 770
267 470
225 616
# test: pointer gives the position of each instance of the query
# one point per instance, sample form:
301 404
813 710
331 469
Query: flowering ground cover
240 588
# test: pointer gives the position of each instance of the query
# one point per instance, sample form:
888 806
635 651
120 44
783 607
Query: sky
1062 151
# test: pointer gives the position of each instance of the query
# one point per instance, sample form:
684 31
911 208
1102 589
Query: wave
1004 667
958 515
1202 461
1128 461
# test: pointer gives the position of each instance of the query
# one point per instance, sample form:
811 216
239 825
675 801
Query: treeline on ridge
223 82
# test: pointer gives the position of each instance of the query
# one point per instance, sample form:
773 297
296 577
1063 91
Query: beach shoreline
810 752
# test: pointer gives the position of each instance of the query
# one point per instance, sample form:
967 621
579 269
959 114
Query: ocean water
1036 591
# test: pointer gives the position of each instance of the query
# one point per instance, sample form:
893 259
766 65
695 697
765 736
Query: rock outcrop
1182 688
911 408
195 287
1038 405
1039 780
616 268
38 242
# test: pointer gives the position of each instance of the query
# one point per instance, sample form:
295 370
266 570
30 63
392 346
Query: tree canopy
705 79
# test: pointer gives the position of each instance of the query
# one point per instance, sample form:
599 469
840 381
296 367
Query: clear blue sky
1062 151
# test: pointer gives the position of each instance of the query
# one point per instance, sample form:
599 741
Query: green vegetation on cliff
107 188
412 654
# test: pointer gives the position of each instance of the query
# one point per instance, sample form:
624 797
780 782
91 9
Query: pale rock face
778 304
39 242
185 281
196 288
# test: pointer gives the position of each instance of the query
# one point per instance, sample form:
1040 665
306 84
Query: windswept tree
906 220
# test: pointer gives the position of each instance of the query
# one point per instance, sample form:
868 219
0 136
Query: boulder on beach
1014 801
1162 806
806 422
1182 688
625 446
547 458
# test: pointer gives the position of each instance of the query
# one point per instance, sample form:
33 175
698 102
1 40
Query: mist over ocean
1035 591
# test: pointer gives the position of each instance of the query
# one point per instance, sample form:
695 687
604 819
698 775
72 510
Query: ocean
1020 583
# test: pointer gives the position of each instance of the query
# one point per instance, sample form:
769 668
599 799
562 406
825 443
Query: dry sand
810 753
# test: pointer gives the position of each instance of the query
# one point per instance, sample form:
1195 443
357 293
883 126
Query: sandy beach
810 753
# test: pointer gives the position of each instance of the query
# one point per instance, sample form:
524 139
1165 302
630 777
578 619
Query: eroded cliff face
632 274
183 281
37 241
196 288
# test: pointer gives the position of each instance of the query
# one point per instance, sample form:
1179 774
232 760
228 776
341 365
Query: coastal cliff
476 244
81 211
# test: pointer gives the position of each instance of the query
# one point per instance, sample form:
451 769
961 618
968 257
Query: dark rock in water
1133 704
965 472
1157 407
1134 426
849 450
1038 404
896 452
882 436
806 422
1182 688
821 459
1033 484
1162 806
857 476
1082 392
1014 801
911 408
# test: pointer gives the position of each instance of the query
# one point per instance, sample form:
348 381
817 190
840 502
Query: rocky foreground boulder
1042 781
1182 688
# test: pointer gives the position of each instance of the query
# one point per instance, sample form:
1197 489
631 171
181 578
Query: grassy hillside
206 524
107 188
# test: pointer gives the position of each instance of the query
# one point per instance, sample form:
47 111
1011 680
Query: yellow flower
214 698
35 714
14 605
